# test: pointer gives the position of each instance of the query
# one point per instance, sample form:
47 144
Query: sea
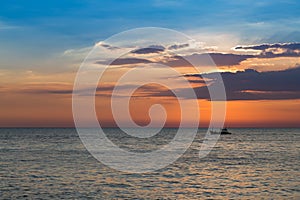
53 163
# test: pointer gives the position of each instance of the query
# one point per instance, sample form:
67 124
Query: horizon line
174 127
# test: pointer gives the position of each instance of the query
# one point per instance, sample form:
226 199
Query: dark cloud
218 59
178 46
124 61
274 50
107 46
292 46
103 89
274 54
47 91
228 59
253 85
150 49
210 59
248 85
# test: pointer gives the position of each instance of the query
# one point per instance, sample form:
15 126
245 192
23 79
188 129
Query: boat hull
220 132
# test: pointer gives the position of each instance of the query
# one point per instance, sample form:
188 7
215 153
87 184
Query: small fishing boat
222 131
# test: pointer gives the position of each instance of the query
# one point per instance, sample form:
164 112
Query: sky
255 46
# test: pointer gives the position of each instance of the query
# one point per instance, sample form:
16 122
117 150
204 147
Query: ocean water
52 163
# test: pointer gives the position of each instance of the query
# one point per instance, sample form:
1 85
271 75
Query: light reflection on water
52 163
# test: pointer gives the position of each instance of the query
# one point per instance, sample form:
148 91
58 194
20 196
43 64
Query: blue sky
37 30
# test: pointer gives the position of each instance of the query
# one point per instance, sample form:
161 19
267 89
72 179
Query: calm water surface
53 163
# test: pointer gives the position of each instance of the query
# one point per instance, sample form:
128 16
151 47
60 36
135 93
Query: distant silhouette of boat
223 131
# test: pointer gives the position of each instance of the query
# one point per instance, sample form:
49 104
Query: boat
222 131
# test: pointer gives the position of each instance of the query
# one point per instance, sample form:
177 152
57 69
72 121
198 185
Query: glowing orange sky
51 110
31 99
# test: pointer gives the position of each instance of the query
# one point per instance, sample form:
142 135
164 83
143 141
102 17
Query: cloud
292 46
150 49
77 53
228 59
253 85
40 88
246 85
218 59
49 91
178 46
124 61
177 60
104 89
202 59
274 50
107 46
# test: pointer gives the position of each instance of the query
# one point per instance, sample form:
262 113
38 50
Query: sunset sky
254 44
